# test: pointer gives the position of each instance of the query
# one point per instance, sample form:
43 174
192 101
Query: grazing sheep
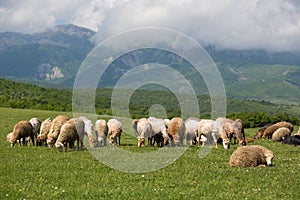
8 137
36 125
22 130
55 129
88 129
71 131
101 130
114 131
176 130
270 130
44 130
280 134
191 125
159 126
251 156
212 131
292 140
144 129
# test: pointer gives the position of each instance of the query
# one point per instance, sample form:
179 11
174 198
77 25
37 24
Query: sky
272 25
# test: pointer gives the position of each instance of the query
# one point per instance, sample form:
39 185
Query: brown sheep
280 134
22 130
260 133
270 130
114 131
55 129
251 156
176 130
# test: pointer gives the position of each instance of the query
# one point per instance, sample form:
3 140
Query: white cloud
267 24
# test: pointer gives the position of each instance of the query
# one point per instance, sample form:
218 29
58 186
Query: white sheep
71 131
251 156
176 130
8 137
88 128
55 129
144 129
191 125
280 134
36 125
114 131
101 130
159 127
22 130
44 130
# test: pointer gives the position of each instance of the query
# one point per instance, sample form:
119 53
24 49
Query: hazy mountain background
52 58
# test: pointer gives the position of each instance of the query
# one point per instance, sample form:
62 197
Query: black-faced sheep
114 131
55 129
22 130
280 134
101 130
88 129
270 130
191 125
176 130
44 130
251 156
292 140
144 129
71 131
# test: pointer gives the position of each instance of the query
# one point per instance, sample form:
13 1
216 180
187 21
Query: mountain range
53 57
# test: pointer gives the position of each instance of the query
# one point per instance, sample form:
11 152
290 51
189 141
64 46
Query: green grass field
43 173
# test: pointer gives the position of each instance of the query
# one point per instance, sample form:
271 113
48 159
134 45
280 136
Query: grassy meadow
43 173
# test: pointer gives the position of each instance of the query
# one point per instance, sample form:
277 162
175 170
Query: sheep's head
269 156
59 146
141 142
226 143
112 140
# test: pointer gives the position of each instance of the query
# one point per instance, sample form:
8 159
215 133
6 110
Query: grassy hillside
43 173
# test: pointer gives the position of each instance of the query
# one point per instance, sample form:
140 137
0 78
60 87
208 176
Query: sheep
251 156
280 134
101 130
72 130
298 132
159 127
176 130
55 129
212 131
114 131
270 130
292 140
144 129
44 130
22 130
36 125
260 133
8 137
233 129
191 125
88 129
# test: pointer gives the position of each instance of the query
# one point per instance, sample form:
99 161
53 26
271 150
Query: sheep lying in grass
251 156
270 130
292 140
260 133
71 131
22 130
114 131
55 129
176 130
44 130
101 130
88 130
280 134
191 125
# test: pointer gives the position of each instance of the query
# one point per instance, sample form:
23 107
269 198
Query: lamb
212 131
159 127
251 156
114 131
191 125
292 140
101 130
280 134
144 129
88 130
22 130
176 130
55 129
36 125
270 130
44 130
71 131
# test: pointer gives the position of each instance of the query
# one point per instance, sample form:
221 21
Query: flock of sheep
62 132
